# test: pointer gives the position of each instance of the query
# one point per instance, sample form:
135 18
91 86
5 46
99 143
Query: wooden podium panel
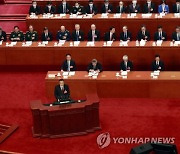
66 119
109 56
137 85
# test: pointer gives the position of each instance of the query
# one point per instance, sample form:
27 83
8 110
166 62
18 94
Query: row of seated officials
93 34
134 7
62 91
125 65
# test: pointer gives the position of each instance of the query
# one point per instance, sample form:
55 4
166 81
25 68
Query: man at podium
61 91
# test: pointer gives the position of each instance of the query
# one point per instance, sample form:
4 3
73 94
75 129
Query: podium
66 119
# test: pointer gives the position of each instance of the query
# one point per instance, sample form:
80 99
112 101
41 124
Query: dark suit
67 9
31 36
44 38
3 36
19 36
134 10
175 9
123 9
150 9
175 37
157 37
79 37
128 67
125 38
64 66
97 35
94 9
107 37
75 10
155 67
141 36
60 94
97 67
36 10
103 9
52 10
63 35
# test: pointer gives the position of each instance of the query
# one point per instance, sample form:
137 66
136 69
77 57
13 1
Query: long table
137 85
169 23
99 3
109 56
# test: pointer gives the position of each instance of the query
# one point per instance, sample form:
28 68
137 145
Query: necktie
69 66
62 88
77 35
46 35
163 8
120 10
110 36
64 8
93 33
177 36
91 9
126 65
149 7
143 33
125 35
160 36
178 8
157 63
134 7
106 8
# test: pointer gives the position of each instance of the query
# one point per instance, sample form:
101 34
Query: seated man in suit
134 7
3 36
68 64
77 9
16 35
163 8
77 34
61 91
91 8
64 8
125 35
143 34
176 7
126 65
94 66
160 34
121 8
157 64
110 36
93 34
176 34
46 35
34 8
107 8
63 34
31 35
149 7
50 8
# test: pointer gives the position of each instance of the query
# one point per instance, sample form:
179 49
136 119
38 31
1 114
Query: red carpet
119 117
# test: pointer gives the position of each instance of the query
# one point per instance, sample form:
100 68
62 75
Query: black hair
157 55
16 27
